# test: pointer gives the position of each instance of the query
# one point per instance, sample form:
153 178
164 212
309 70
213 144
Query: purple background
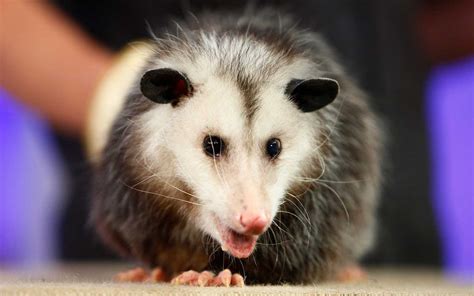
31 185
450 105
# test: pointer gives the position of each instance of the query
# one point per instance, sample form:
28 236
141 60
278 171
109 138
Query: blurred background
414 58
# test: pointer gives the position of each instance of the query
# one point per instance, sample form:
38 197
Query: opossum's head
236 139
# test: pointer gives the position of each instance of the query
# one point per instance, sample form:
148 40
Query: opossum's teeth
224 248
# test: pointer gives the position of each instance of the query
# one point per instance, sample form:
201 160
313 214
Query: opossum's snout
240 238
238 232
253 223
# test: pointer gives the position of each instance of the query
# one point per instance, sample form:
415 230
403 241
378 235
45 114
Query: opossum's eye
165 85
312 94
213 146
273 147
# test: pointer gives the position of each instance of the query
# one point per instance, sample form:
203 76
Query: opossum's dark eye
165 85
273 148
312 94
213 146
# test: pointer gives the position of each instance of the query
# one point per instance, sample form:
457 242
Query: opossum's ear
312 94
165 85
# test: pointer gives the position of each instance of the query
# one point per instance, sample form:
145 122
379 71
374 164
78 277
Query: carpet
94 279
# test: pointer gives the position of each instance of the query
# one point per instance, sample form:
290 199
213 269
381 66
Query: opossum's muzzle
237 244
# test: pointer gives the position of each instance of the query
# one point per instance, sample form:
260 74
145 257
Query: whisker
317 181
306 226
277 248
305 213
282 230
309 180
302 206
274 244
243 269
340 199
180 190
161 195
215 250
148 168
322 164
143 180
297 217
254 259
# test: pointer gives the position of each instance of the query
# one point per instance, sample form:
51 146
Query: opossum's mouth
237 244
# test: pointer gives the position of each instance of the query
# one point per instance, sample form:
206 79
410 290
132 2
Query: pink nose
252 223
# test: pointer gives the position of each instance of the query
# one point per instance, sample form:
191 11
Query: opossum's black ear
165 85
312 94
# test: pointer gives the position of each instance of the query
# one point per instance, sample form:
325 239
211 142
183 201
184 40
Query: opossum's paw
206 279
227 278
351 273
157 275
140 275
133 275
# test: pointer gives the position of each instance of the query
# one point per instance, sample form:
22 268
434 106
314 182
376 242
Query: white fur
217 108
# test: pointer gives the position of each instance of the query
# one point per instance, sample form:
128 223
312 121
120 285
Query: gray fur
329 225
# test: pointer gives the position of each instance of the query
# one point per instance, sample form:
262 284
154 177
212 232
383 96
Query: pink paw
133 275
206 278
351 273
140 275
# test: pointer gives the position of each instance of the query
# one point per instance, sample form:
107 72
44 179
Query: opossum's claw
206 279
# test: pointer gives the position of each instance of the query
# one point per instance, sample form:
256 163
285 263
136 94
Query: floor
95 279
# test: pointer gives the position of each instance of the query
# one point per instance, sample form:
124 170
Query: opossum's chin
237 244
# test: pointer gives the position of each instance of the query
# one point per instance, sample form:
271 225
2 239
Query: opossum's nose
253 223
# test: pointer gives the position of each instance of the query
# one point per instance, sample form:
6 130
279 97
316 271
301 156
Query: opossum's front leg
207 278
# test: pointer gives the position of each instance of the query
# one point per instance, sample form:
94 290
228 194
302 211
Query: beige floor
94 279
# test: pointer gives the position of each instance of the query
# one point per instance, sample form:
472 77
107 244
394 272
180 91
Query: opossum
240 144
